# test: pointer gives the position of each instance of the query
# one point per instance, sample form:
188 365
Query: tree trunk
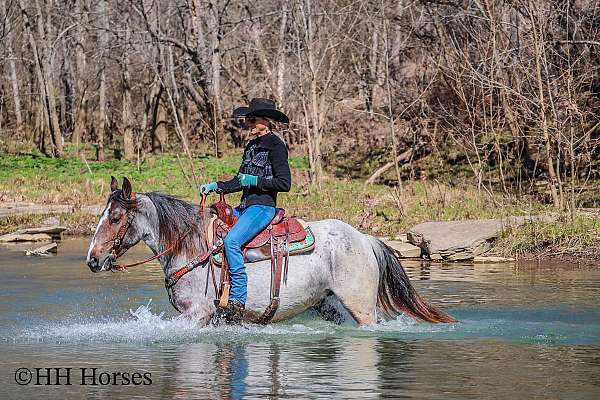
42 117
127 115
179 101
538 47
390 99
19 128
50 92
316 165
68 101
215 43
81 106
280 86
16 95
157 120
49 122
102 117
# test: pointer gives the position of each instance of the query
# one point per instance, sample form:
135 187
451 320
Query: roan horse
361 271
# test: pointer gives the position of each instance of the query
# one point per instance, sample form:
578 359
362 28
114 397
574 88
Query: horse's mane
179 222
178 218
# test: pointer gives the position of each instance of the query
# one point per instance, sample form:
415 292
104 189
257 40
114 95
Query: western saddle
285 236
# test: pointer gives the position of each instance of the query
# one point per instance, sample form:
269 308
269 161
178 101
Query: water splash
142 325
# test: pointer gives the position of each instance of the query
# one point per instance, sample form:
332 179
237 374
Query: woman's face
258 125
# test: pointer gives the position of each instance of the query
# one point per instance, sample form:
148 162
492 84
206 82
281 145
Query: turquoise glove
208 187
248 180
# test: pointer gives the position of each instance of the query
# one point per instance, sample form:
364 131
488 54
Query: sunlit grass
376 209
565 234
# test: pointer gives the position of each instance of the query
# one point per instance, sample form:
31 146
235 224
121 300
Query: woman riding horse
264 172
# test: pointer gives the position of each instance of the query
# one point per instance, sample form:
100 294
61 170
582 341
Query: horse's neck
169 262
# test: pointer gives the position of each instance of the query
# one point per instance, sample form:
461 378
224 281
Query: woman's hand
208 187
247 180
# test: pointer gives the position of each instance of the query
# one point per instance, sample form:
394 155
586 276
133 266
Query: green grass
579 234
375 209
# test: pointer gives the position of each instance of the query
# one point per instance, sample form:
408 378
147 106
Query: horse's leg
200 318
361 305
355 274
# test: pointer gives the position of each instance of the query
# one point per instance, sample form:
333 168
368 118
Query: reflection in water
395 357
526 332
235 370
275 371
232 370
425 270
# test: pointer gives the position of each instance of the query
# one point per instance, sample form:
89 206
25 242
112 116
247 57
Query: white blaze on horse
360 270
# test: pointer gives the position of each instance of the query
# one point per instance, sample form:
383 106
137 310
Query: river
526 331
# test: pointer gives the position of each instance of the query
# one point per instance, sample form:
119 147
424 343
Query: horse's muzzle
94 264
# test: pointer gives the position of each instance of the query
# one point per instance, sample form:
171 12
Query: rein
118 240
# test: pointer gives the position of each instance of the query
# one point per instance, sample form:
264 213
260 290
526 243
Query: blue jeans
251 221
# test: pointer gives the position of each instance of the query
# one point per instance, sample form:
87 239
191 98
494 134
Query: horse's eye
115 220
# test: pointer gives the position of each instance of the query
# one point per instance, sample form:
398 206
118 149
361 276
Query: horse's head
118 229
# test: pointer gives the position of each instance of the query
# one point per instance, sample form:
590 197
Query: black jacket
267 158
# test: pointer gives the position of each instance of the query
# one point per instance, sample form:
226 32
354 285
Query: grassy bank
375 209
567 239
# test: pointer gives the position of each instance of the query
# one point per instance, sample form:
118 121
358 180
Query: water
526 332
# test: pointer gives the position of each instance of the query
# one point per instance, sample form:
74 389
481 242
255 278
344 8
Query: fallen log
43 250
404 157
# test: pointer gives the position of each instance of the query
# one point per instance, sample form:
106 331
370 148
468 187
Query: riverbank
374 209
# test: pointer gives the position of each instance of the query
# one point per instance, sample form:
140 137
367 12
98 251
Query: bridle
116 251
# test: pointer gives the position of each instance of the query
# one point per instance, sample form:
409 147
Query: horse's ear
126 188
114 184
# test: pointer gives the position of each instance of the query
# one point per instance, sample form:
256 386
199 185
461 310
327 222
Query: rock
55 232
8 209
20 208
460 240
406 250
44 250
402 238
436 257
491 259
25 237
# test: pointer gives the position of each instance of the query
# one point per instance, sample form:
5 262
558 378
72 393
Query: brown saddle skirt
292 231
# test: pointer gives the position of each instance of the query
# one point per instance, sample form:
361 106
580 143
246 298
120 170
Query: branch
407 155
590 42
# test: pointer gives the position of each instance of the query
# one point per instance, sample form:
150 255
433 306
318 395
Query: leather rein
117 251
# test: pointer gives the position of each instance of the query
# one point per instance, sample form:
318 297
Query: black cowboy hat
259 107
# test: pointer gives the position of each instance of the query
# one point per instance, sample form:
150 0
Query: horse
360 270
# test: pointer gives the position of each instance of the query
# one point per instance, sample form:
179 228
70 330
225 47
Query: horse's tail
396 294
